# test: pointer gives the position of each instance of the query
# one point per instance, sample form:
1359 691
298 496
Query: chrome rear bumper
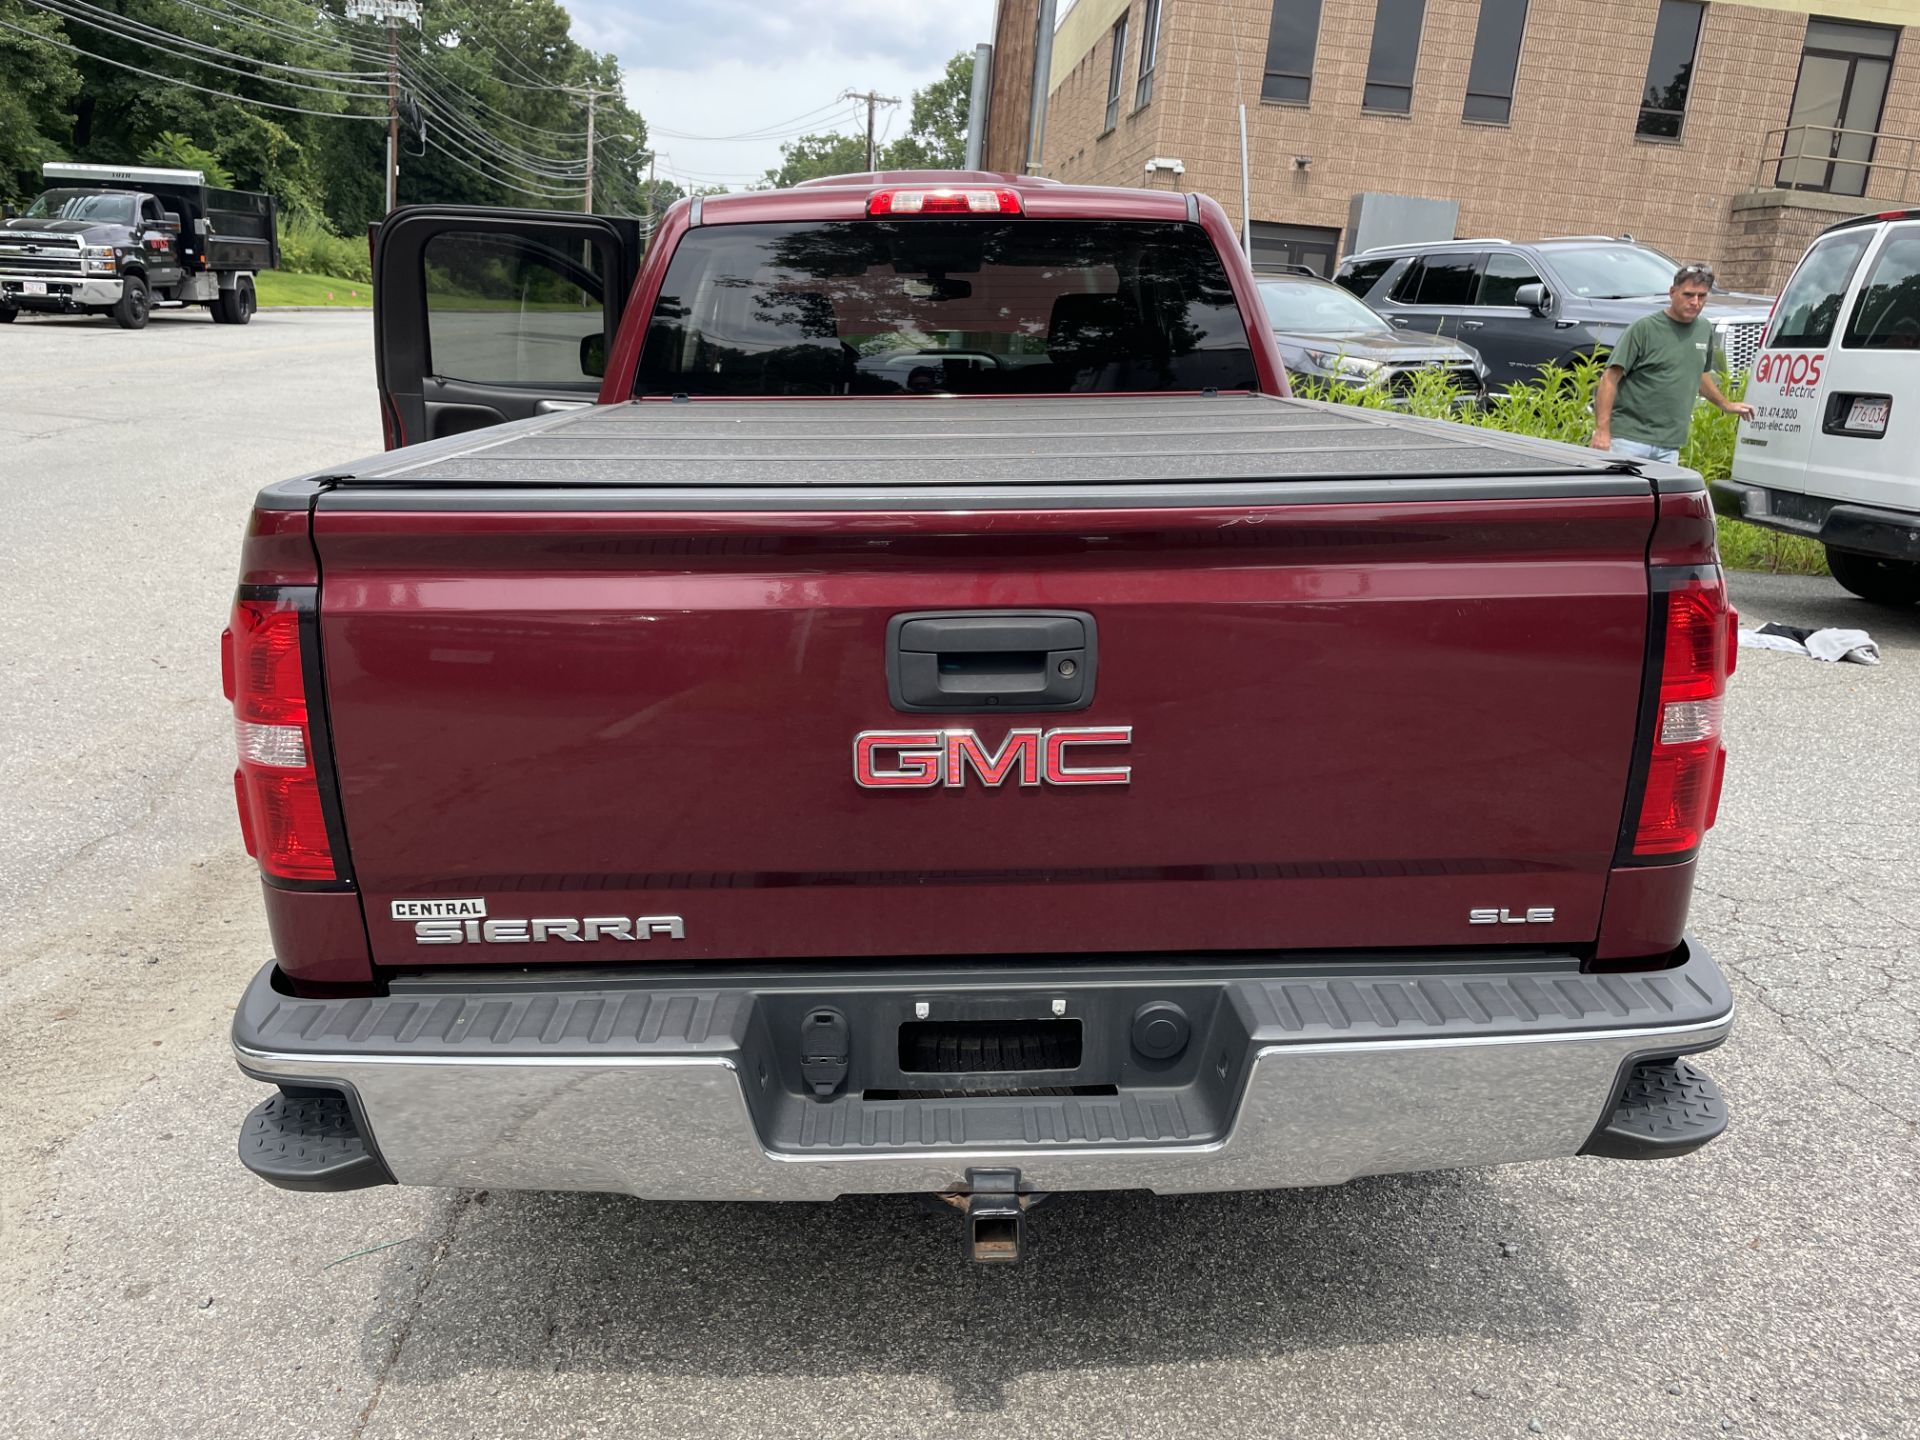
677 1091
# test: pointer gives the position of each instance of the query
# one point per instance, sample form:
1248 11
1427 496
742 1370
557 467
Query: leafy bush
1559 406
308 247
175 151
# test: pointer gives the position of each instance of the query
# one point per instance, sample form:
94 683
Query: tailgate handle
991 659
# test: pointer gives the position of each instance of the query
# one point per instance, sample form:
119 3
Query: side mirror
1536 297
170 221
593 355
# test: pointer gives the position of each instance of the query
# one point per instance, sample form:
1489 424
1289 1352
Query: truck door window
1503 277
1408 285
1448 280
938 307
1887 314
502 310
1360 276
1810 305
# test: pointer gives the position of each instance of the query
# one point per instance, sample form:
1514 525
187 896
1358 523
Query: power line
825 124
167 50
492 110
472 130
344 38
129 30
495 112
273 23
188 84
495 179
468 143
758 133
476 133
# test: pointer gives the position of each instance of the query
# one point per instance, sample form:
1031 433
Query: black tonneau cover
920 453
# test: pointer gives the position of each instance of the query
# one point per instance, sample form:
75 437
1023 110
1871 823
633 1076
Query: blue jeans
1637 451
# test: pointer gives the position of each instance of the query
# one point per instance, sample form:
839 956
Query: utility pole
871 100
650 159
586 201
593 97
393 116
390 11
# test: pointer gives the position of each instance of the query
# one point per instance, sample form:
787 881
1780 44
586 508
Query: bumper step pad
1666 1108
309 1142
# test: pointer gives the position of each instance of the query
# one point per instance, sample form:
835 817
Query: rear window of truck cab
936 307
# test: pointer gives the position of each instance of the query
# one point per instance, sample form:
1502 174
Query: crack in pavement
413 1307
1761 996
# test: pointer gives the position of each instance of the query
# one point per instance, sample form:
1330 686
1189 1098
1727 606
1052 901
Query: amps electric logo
1796 372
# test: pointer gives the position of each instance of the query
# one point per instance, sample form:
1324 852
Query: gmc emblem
923 759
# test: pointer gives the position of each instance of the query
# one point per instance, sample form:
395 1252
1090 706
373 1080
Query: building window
1676 36
1837 105
1114 68
1496 57
1290 45
1149 52
1396 49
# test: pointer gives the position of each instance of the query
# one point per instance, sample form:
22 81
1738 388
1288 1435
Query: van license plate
1869 416
33 287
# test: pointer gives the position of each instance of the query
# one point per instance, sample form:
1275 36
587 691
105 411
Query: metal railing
1814 157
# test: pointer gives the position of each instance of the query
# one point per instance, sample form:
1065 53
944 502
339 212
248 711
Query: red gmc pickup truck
890 695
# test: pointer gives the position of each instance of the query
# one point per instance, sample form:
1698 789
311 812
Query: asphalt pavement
150 1287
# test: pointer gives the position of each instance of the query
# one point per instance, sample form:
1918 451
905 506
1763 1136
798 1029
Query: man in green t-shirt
1644 405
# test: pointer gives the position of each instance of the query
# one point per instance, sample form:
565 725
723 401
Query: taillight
277 785
946 201
1687 761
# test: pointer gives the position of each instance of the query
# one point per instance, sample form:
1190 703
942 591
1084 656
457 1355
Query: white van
1833 450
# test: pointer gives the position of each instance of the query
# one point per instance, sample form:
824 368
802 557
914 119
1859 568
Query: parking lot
149 1286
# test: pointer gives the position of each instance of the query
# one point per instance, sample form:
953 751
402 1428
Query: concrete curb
285 308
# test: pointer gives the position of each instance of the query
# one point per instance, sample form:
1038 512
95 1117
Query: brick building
1727 132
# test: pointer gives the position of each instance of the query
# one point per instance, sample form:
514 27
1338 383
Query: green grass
277 287
1559 406
1749 547
308 247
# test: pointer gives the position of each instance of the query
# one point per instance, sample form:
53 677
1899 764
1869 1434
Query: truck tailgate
612 666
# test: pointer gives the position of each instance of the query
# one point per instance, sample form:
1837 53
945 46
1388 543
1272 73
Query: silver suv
1523 306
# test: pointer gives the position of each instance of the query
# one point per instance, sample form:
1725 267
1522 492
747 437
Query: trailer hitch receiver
996 1216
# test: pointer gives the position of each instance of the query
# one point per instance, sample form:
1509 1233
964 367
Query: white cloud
727 67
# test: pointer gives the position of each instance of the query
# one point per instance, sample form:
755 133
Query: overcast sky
727 67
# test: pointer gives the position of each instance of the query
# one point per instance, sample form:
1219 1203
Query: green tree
491 92
37 82
812 156
175 151
936 138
